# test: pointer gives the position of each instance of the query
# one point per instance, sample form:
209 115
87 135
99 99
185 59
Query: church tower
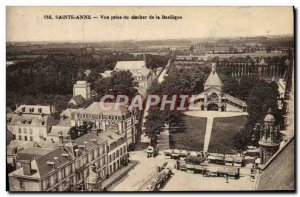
268 139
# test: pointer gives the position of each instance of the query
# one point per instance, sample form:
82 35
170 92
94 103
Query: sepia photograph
150 99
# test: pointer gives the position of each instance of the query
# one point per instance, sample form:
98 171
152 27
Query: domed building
214 99
268 143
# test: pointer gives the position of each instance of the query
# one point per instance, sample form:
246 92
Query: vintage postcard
150 99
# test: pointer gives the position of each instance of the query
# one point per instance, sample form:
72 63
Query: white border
5 3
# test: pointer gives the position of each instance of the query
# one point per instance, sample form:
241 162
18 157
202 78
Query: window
30 131
25 131
40 110
31 110
20 137
23 109
31 138
25 138
20 130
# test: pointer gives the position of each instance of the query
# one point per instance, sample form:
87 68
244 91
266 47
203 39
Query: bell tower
268 138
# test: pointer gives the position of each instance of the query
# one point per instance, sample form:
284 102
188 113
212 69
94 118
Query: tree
231 86
241 140
261 98
154 123
247 82
119 83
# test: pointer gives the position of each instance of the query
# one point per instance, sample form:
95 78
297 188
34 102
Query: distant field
222 133
188 133
252 55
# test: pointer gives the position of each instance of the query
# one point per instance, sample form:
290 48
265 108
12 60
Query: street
138 178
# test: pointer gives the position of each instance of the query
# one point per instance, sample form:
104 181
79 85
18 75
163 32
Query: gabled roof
213 79
78 99
35 109
130 65
32 153
279 172
41 162
31 120
95 108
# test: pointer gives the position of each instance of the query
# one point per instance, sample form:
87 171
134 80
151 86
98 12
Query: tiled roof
78 99
279 172
213 80
95 108
135 67
41 162
45 109
130 65
31 120
32 153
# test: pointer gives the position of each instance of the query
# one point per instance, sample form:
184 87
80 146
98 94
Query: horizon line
159 39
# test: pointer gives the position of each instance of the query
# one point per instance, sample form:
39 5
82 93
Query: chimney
27 167
77 152
82 147
94 140
95 131
61 138
66 156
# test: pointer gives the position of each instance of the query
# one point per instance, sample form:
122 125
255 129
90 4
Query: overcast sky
28 23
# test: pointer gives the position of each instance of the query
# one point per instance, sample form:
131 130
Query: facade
82 88
30 127
50 172
143 76
269 135
78 165
213 98
120 119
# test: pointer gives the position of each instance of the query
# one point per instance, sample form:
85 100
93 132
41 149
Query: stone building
142 75
119 118
78 165
269 135
213 97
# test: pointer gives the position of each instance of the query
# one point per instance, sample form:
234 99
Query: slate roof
46 109
213 79
32 153
30 120
135 67
130 65
78 99
41 162
279 172
95 108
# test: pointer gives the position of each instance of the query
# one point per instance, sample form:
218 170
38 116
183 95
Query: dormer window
31 110
40 110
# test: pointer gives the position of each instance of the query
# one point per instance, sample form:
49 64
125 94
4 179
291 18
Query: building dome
269 117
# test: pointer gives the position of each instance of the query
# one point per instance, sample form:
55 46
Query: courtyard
208 131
